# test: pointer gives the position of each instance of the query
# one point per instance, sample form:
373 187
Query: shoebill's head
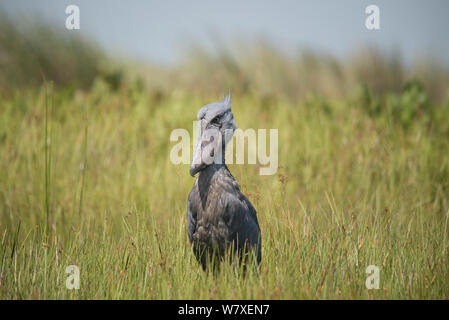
216 127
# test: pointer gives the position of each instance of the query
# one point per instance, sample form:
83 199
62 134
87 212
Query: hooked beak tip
194 170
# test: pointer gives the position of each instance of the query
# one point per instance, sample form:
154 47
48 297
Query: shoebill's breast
219 216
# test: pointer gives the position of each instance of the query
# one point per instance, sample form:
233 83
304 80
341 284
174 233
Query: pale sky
159 30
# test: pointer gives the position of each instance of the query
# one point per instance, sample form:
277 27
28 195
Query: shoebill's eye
216 120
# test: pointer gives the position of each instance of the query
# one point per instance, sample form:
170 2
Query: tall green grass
354 188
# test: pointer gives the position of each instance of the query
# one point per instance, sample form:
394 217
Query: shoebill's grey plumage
219 216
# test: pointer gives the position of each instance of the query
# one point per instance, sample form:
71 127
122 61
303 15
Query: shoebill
220 218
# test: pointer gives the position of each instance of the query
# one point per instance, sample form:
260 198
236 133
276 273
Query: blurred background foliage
377 82
33 52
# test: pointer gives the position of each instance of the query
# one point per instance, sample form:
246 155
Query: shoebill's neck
213 168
